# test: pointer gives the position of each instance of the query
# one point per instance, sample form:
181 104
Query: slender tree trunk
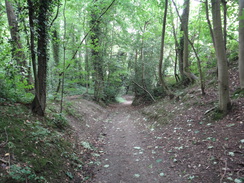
186 75
160 72
87 68
223 76
64 56
136 74
32 40
241 43
17 51
55 45
209 22
176 48
224 3
142 56
184 27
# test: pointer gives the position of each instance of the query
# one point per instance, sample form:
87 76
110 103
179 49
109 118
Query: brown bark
223 75
87 68
241 43
136 74
142 56
17 51
39 102
209 22
184 28
224 3
160 72
177 78
186 75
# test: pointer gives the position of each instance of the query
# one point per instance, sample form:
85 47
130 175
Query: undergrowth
33 149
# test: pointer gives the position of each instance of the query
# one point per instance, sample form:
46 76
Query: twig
145 90
238 172
3 161
4 143
225 170
79 46
209 110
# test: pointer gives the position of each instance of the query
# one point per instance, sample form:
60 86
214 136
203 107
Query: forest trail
130 154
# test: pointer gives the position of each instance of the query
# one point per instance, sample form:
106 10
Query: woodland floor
167 142
171 141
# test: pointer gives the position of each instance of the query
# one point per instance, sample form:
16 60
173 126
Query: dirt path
130 152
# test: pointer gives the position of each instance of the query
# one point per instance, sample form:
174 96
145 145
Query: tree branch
88 34
56 16
145 90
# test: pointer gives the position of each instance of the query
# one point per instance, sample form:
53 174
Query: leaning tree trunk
39 102
223 76
241 43
17 51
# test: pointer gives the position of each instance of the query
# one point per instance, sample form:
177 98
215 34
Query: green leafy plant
60 121
24 174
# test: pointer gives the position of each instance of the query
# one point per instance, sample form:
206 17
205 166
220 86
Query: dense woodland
62 62
107 48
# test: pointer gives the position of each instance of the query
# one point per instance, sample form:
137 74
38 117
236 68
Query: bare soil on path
129 152
171 141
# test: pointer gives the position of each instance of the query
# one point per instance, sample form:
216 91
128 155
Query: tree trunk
160 72
223 76
241 43
209 22
39 102
136 74
142 56
224 3
184 27
176 48
97 57
55 45
17 51
87 68
186 75
32 39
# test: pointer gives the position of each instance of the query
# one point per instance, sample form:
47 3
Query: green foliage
13 85
239 93
217 115
23 174
36 146
60 121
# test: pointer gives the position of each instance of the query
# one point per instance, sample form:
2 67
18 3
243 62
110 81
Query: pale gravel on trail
130 152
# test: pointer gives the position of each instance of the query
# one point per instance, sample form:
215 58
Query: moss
217 115
32 142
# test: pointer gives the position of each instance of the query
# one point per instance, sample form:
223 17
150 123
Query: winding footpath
130 152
